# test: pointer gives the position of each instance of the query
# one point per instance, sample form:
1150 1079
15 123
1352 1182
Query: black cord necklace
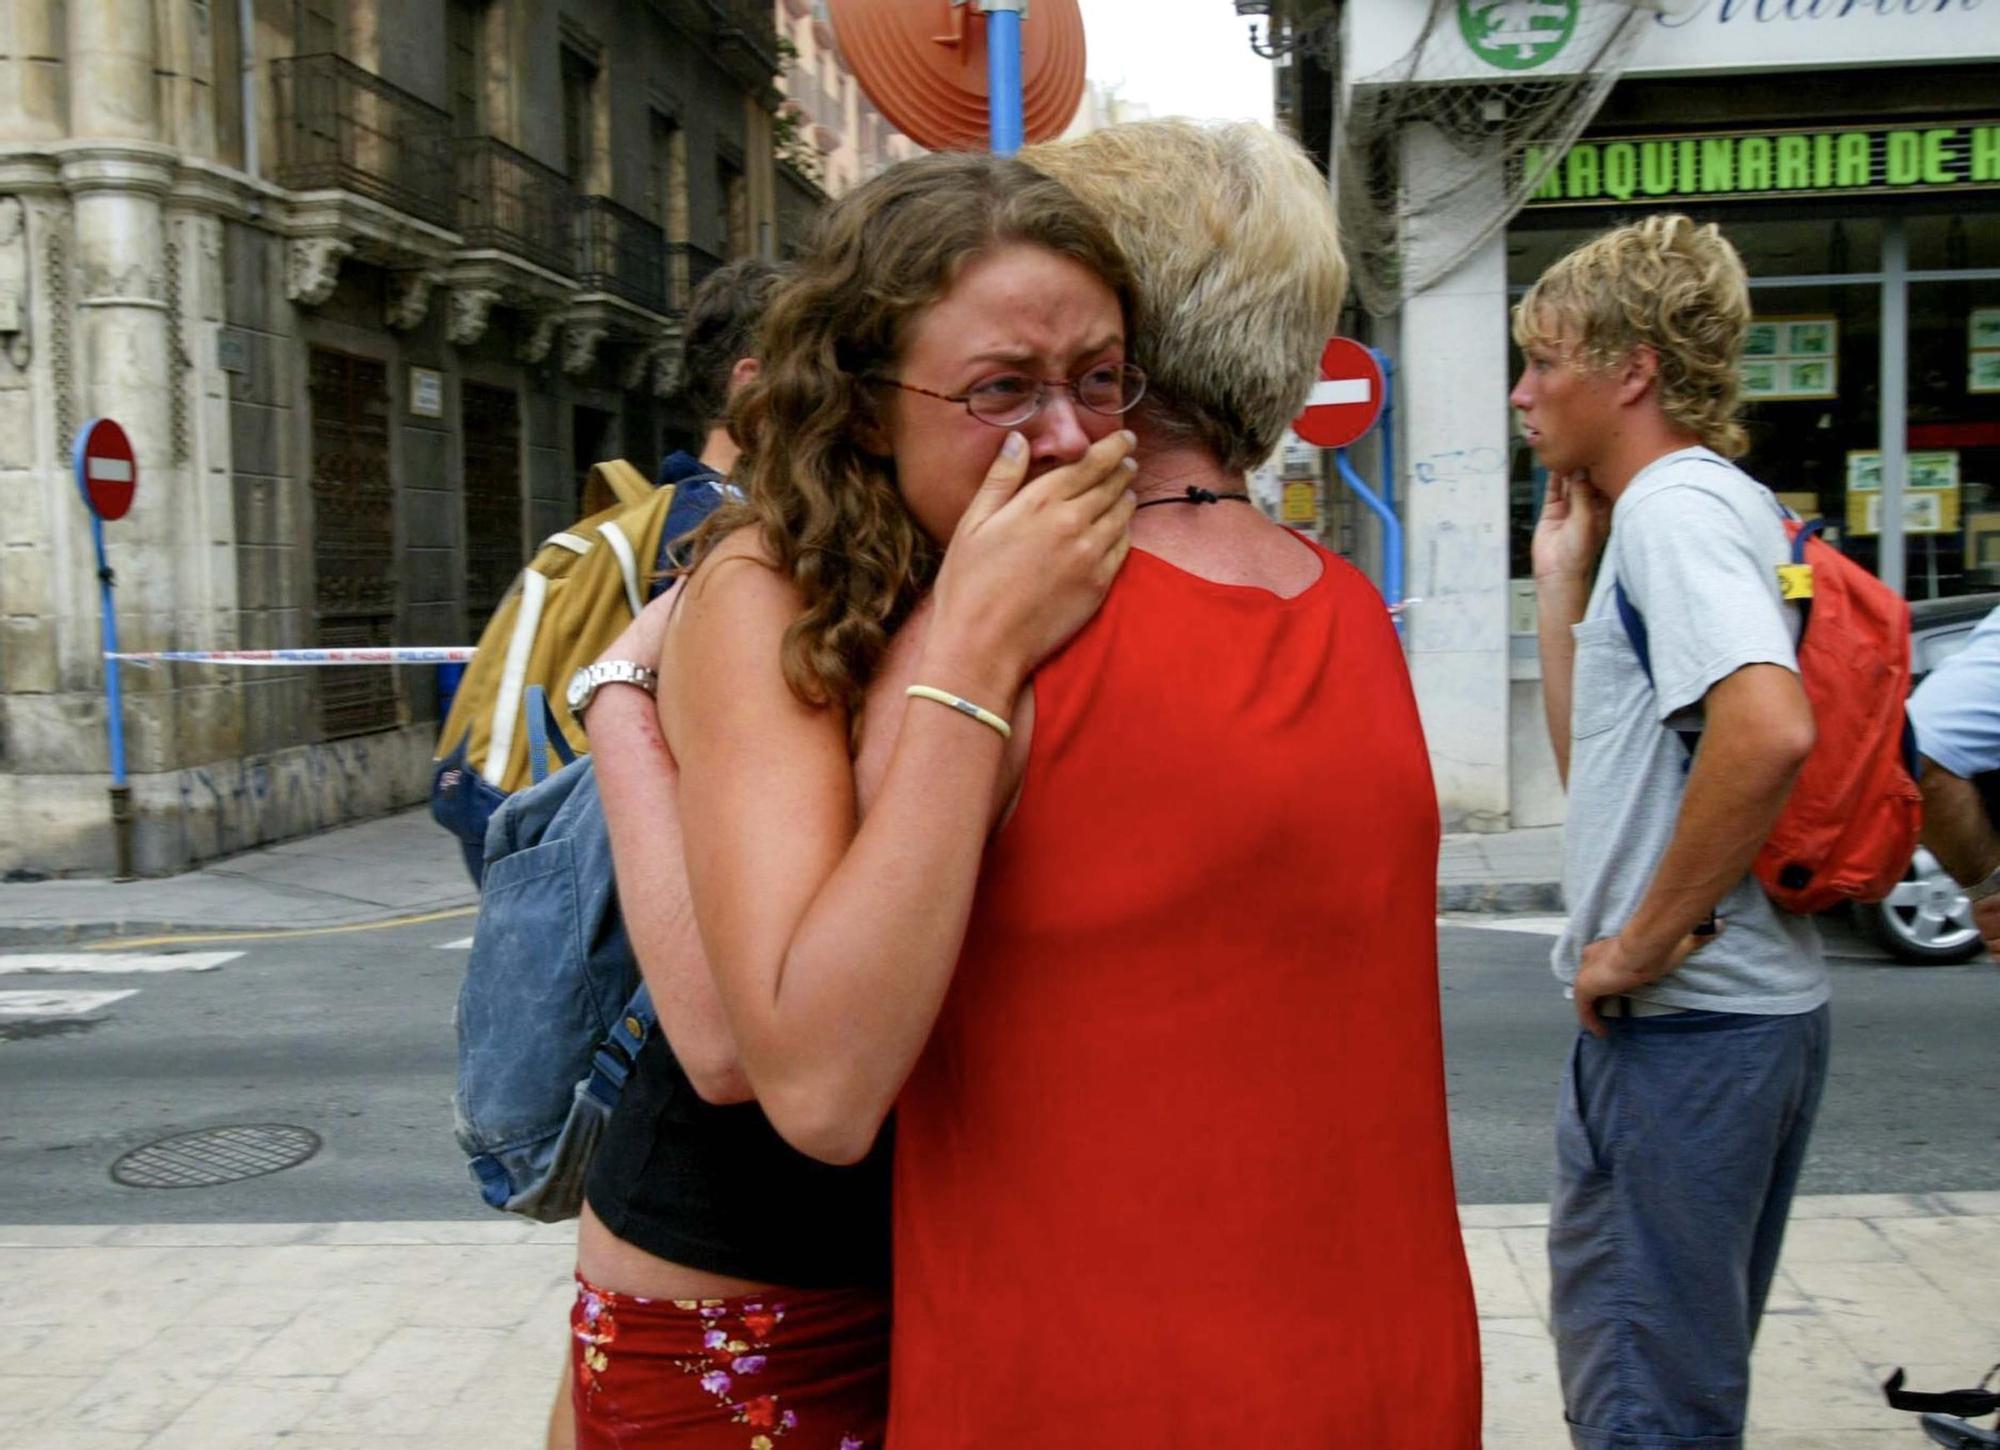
1196 495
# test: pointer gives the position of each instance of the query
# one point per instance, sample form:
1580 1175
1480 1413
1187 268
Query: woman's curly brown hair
824 502
1662 283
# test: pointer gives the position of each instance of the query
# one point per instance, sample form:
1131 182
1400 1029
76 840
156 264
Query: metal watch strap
612 672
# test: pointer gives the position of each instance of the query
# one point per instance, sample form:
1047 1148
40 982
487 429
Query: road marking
58 1005
1529 925
110 962
288 934
464 943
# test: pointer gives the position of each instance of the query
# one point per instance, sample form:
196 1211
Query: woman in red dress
1173 1169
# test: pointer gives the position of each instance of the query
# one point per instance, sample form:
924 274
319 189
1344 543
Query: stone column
1453 372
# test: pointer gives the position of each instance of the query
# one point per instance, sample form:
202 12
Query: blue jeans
1678 1145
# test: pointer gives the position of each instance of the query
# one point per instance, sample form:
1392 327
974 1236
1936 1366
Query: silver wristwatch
585 683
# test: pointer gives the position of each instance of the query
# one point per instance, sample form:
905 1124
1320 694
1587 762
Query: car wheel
1926 919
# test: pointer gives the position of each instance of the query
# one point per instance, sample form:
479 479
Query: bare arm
1568 539
1956 827
639 783
833 938
1757 731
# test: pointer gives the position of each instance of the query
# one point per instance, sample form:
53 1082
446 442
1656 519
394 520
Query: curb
16 935
1500 896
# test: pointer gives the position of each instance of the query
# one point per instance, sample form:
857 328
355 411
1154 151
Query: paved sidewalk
404 865
1503 871
400 865
448 1335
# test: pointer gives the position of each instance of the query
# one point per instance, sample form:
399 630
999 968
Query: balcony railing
688 266
340 126
751 24
620 252
512 203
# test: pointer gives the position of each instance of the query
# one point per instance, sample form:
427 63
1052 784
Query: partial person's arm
1568 539
1956 826
1758 730
833 939
639 783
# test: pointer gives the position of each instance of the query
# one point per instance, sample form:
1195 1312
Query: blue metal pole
1392 530
1388 426
114 696
1003 74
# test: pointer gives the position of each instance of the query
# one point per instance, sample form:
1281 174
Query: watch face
579 688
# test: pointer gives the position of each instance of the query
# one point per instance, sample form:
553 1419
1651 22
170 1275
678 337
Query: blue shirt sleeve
1956 711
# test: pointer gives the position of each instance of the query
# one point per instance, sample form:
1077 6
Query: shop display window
1812 380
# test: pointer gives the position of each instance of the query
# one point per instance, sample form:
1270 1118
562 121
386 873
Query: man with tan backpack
589 581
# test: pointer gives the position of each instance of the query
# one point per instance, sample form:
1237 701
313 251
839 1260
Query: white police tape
391 655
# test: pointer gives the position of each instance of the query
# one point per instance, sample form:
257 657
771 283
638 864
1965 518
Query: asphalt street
348 1035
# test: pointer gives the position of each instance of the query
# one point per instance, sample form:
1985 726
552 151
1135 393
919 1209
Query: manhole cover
216 1155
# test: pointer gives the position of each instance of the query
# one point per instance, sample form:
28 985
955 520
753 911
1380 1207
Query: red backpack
1850 825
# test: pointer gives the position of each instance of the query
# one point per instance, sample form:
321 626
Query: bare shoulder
724 644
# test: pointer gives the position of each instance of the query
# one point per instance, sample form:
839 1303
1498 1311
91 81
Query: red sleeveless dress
1173 1169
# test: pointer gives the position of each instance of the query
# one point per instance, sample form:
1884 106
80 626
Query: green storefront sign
1851 160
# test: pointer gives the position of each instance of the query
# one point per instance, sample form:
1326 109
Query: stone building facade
843 139
370 284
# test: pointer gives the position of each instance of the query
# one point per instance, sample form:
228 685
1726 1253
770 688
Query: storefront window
1812 384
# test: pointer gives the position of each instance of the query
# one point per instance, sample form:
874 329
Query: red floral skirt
785 1370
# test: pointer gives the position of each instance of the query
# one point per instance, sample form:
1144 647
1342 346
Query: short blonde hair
1234 246
1662 283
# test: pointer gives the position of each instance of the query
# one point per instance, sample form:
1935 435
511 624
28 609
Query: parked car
1926 919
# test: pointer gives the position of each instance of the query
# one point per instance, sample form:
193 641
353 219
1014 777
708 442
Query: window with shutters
354 538
490 422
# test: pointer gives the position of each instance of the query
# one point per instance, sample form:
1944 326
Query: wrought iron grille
620 252
491 424
345 127
354 537
512 203
689 266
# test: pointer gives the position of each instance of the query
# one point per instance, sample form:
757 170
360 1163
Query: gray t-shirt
1696 543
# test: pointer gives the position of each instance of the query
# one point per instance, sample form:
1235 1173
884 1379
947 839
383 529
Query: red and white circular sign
106 469
1346 400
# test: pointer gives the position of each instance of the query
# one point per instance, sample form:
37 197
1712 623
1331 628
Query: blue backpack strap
619 1051
1635 631
544 733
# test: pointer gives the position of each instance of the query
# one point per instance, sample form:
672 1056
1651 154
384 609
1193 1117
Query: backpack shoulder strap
544 733
1635 631
619 1052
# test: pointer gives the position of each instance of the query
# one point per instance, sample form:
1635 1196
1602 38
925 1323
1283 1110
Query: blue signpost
1003 73
107 476
1383 505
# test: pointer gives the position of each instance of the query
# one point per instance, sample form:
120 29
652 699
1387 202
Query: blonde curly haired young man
1702 1044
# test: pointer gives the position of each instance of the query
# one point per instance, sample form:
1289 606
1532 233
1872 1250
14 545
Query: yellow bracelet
963 706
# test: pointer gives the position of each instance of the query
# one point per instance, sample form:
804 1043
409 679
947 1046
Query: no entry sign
1346 400
106 470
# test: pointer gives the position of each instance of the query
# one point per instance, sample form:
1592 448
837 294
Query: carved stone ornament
580 340
471 310
313 269
14 271
540 338
668 376
638 363
410 298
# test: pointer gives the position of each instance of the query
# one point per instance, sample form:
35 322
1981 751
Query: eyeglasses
1011 399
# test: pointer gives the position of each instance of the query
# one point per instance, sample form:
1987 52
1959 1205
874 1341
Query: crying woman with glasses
1010 771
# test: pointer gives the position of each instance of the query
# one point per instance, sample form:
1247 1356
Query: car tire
1926 920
